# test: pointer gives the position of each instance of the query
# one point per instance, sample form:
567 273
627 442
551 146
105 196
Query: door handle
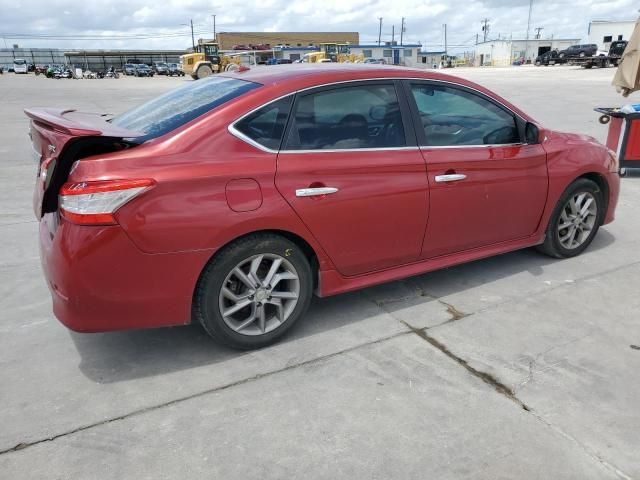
451 177
314 192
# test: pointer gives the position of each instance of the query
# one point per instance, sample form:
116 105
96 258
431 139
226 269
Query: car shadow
119 356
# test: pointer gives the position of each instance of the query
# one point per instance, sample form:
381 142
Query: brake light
95 203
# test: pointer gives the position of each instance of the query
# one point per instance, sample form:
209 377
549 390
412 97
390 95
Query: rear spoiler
79 124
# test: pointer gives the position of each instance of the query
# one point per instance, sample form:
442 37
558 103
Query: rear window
178 107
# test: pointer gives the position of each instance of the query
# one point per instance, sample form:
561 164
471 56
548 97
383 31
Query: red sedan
230 201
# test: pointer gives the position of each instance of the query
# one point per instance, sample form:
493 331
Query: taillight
94 203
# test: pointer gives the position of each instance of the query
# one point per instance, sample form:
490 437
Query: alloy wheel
577 220
259 294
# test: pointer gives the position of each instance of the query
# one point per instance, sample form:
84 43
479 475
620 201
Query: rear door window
178 107
350 117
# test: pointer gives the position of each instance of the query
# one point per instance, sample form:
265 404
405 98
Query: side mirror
531 133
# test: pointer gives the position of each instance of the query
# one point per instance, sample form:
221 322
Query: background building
227 40
602 32
431 59
500 53
292 53
392 54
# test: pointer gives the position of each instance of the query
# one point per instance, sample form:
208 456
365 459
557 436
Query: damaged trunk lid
59 138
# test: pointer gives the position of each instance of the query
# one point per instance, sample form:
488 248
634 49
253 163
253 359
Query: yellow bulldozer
333 52
205 61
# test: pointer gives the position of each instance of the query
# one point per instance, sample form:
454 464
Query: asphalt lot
519 366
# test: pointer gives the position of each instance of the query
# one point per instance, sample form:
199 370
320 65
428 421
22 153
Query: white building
500 53
431 59
392 54
602 32
293 53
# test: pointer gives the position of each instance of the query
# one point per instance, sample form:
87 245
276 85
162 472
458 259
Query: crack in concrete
487 378
594 456
534 362
141 411
507 392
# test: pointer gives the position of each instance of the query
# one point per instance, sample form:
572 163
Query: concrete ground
519 366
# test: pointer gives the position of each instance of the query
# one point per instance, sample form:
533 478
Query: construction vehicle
333 52
205 61
234 61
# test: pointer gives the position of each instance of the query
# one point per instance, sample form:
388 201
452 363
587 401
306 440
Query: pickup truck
610 60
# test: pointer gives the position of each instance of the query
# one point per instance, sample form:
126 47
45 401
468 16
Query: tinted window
266 125
364 116
452 116
177 107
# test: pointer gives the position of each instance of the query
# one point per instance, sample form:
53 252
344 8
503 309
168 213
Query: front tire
204 71
575 220
253 291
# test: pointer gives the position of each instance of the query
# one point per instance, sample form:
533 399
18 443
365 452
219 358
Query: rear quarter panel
187 209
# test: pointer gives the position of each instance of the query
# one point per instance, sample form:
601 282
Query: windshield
19 61
179 106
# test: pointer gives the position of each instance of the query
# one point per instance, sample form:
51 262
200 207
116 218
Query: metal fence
97 60
94 60
31 55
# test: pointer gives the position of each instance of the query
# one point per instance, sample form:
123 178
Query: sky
113 24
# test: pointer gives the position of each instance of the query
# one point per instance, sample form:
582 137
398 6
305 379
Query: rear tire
253 291
575 220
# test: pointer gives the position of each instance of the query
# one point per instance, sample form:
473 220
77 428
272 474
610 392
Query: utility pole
526 48
538 30
476 38
380 31
401 30
485 28
393 34
193 39
214 27
445 42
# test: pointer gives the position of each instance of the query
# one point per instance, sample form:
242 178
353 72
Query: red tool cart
623 137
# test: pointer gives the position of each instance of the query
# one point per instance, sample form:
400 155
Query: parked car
551 57
587 50
241 47
169 216
143 70
174 69
129 69
378 61
160 68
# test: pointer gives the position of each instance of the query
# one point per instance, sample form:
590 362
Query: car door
486 185
351 170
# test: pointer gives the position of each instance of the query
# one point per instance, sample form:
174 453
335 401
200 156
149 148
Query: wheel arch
307 249
602 183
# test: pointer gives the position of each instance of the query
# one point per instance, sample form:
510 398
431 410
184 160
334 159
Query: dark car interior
348 118
456 117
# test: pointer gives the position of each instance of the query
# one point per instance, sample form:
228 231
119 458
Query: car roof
288 78
311 74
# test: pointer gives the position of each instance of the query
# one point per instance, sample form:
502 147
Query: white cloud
424 19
